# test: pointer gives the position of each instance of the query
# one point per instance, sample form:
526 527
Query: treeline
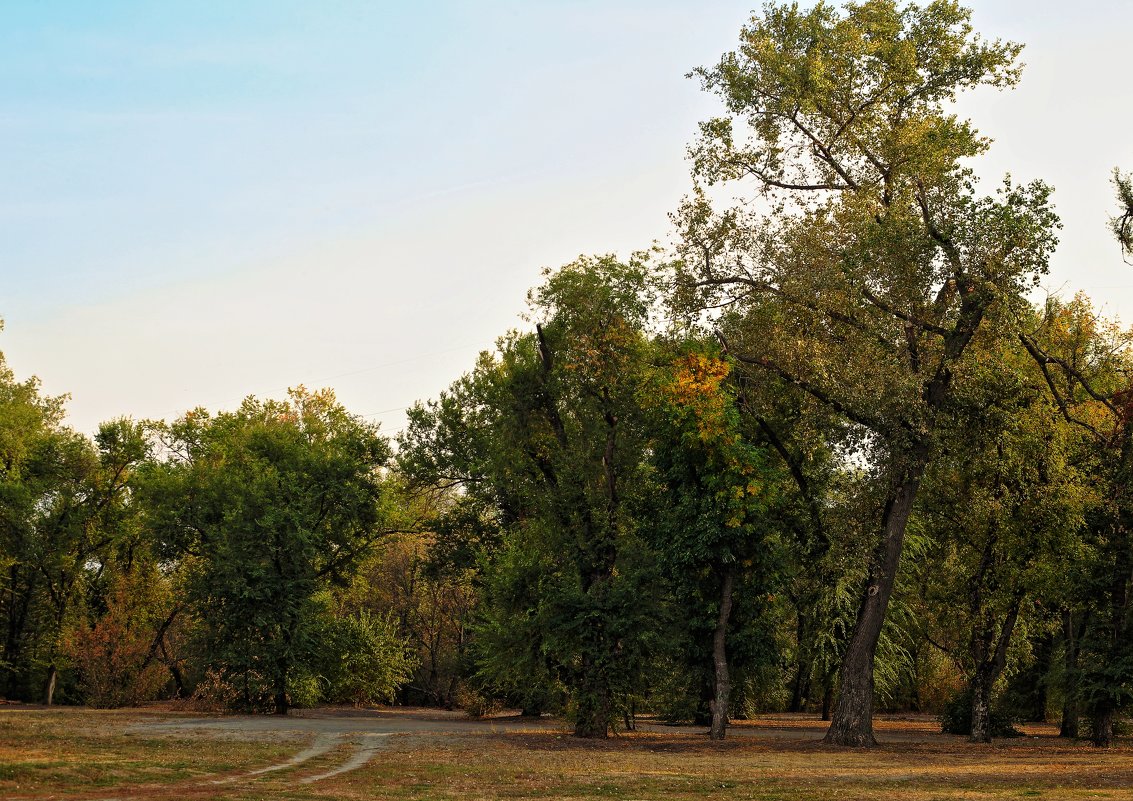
824 453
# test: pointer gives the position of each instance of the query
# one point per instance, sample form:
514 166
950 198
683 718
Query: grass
673 767
73 751
84 754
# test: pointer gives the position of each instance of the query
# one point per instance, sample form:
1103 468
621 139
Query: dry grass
79 753
663 766
62 752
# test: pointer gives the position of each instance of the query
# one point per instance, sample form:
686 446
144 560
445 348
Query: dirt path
350 738
347 739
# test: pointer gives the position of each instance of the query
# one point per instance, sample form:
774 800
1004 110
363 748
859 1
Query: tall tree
870 265
63 504
716 534
28 421
265 506
1086 362
548 435
1004 503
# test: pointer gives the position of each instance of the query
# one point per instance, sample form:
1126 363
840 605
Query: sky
207 199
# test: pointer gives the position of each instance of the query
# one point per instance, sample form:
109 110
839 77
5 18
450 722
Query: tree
715 532
28 423
1085 362
64 505
430 601
548 435
871 264
1003 505
265 507
1122 223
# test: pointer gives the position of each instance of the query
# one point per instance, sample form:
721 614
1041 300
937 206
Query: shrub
114 658
956 718
372 659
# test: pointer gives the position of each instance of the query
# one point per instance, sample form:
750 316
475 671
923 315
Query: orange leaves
113 656
697 391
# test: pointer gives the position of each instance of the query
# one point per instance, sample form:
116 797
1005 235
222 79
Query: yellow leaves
697 390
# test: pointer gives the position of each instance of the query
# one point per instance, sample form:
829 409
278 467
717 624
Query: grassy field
102 755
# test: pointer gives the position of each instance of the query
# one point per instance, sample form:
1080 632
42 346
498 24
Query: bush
956 718
373 660
113 655
477 704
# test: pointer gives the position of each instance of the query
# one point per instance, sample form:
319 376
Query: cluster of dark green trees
207 554
824 453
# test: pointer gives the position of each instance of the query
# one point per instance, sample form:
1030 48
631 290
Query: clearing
155 753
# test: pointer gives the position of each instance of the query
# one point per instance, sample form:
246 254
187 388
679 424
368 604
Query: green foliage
547 438
872 266
64 512
264 507
372 660
956 718
428 593
856 438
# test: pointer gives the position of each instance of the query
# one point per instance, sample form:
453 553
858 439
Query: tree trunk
799 685
1101 732
49 685
175 672
981 707
629 715
281 702
593 705
988 670
852 724
827 700
1069 726
723 683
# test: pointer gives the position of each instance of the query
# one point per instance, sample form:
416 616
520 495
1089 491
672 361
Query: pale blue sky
209 199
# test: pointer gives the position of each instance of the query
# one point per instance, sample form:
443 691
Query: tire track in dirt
321 745
363 753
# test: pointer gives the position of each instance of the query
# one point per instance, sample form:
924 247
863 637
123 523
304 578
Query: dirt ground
344 753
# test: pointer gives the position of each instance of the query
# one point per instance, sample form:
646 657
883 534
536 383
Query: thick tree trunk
1101 730
1069 725
981 707
281 702
852 723
988 671
723 683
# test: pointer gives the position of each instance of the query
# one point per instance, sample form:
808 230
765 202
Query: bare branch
900 315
